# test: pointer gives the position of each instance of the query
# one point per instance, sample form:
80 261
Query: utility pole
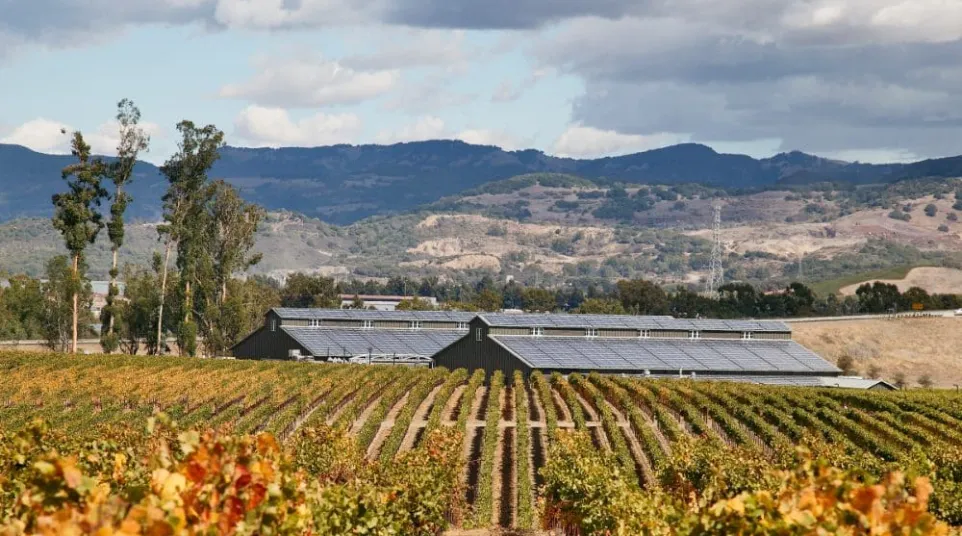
716 274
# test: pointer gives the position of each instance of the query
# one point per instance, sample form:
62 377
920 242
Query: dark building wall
267 344
477 351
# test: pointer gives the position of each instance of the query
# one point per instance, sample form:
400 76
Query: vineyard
516 465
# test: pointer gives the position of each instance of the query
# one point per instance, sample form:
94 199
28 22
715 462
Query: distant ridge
344 183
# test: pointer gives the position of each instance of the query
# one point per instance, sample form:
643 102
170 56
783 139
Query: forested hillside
345 183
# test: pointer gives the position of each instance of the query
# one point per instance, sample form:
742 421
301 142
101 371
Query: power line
716 274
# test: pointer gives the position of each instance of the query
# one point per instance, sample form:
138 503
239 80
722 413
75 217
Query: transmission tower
716 275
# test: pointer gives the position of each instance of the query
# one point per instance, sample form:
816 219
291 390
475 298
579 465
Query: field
932 279
913 347
509 426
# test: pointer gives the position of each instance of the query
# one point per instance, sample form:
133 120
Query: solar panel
361 314
666 355
350 342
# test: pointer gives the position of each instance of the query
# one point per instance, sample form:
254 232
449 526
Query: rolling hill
345 183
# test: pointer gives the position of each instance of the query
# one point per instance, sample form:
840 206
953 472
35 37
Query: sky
867 80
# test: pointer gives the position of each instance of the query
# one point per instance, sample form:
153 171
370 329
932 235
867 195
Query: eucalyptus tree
133 141
185 219
76 213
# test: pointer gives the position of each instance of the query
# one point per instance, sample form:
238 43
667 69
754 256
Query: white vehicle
958 312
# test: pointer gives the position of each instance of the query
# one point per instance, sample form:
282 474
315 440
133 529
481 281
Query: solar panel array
798 381
362 314
347 342
630 322
666 355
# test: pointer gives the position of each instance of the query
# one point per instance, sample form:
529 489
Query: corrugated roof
630 322
667 355
847 382
364 314
346 342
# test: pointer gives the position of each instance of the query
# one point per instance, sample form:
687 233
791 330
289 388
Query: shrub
847 364
931 210
944 228
896 215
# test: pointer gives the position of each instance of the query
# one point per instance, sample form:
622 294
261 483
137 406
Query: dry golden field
914 347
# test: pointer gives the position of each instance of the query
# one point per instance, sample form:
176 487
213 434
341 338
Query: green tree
138 310
488 300
233 228
66 304
642 297
185 221
133 140
22 309
225 324
878 297
538 300
916 295
76 215
304 290
601 306
414 304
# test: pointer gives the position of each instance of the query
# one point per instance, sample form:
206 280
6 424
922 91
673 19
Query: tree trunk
76 281
113 283
187 301
223 292
163 297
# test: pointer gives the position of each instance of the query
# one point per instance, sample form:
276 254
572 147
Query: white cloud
309 82
425 128
579 141
273 127
42 135
47 136
274 14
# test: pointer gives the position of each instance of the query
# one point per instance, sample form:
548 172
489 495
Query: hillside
344 183
932 279
549 229
912 347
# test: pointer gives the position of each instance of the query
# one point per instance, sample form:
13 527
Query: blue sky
872 80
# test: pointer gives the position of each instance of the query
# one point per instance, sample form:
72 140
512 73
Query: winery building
758 351
656 346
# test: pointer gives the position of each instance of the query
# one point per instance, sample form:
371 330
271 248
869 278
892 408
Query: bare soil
363 417
419 420
385 430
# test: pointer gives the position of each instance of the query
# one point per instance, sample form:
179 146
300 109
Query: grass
832 286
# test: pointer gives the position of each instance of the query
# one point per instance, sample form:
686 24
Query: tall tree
133 140
76 215
59 316
184 216
233 225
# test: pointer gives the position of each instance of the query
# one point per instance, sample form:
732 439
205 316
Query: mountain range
345 183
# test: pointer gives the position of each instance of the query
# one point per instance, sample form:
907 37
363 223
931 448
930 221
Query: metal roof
666 356
366 314
548 320
848 382
346 342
